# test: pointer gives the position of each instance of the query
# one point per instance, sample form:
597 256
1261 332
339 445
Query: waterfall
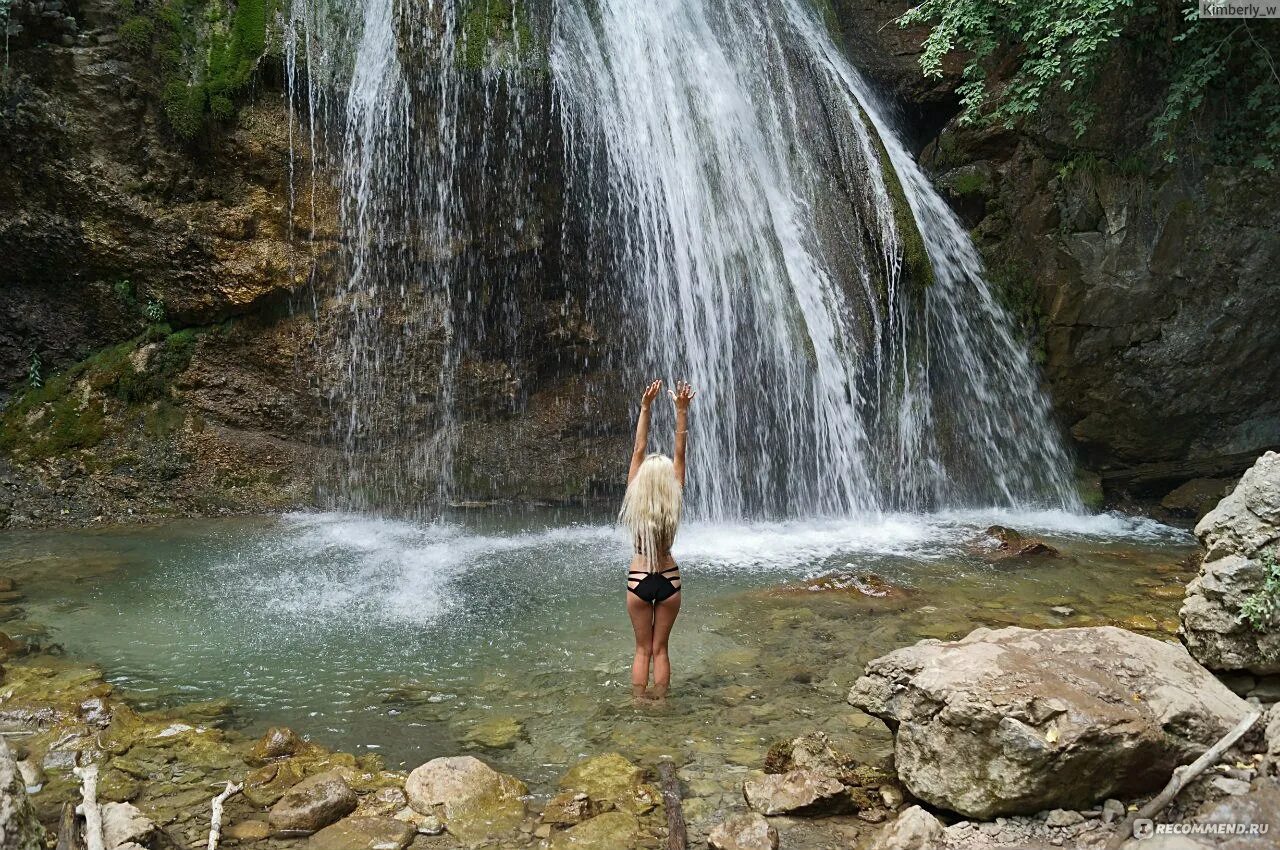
746 215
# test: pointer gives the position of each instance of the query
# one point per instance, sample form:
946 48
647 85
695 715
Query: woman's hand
650 393
682 395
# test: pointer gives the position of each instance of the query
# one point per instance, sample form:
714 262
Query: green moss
969 182
1015 289
494 33
68 412
137 33
205 54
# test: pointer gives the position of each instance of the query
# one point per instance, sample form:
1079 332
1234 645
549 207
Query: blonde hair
651 506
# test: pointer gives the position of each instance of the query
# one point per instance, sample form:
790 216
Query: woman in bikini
651 511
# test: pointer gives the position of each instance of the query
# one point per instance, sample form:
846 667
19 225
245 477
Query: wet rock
611 781
1196 497
474 801
608 831
1017 721
423 824
801 791
913 829
748 831
568 808
314 803
19 827
363 833
248 830
276 743
124 823
1004 546
495 733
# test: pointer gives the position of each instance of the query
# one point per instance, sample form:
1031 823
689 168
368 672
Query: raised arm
682 395
641 446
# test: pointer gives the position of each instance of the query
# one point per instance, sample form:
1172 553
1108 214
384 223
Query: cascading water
750 219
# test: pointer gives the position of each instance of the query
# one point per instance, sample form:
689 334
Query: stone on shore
1237 535
1017 721
313 803
747 831
363 833
277 742
124 823
801 791
19 827
474 801
610 781
914 829
608 831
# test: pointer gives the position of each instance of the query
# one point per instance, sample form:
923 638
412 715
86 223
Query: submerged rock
314 803
1004 546
1017 721
747 831
1240 534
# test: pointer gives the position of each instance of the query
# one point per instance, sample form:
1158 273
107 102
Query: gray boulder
1016 721
19 828
313 803
804 791
914 829
1237 534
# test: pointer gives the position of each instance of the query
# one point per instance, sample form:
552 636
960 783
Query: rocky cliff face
180 320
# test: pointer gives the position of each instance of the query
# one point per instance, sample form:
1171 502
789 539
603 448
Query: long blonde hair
651 506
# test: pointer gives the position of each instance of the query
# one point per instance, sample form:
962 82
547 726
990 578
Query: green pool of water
505 634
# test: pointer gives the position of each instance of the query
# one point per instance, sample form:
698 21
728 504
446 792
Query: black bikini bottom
656 587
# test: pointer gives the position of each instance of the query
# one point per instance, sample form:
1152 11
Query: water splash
748 218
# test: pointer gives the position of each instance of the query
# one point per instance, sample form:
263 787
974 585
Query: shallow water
417 640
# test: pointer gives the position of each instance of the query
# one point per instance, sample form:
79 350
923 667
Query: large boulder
313 803
19 827
1240 539
474 801
1016 720
611 781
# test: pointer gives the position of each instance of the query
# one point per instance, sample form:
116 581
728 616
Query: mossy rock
609 831
611 781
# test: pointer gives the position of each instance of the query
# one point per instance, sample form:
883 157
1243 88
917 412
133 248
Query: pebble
1063 817
1062 610
1112 811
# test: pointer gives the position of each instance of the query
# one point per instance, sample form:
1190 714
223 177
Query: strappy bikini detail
654 587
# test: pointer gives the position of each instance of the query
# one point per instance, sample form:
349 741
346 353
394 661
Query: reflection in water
507 634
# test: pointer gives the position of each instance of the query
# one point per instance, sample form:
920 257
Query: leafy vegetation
1219 80
1262 608
68 411
205 56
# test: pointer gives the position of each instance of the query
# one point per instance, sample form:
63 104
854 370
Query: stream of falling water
749 219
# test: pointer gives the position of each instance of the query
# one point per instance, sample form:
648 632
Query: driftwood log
215 817
69 829
1182 776
88 807
677 835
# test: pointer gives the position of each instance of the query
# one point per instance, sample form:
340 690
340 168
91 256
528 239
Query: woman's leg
664 617
641 614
